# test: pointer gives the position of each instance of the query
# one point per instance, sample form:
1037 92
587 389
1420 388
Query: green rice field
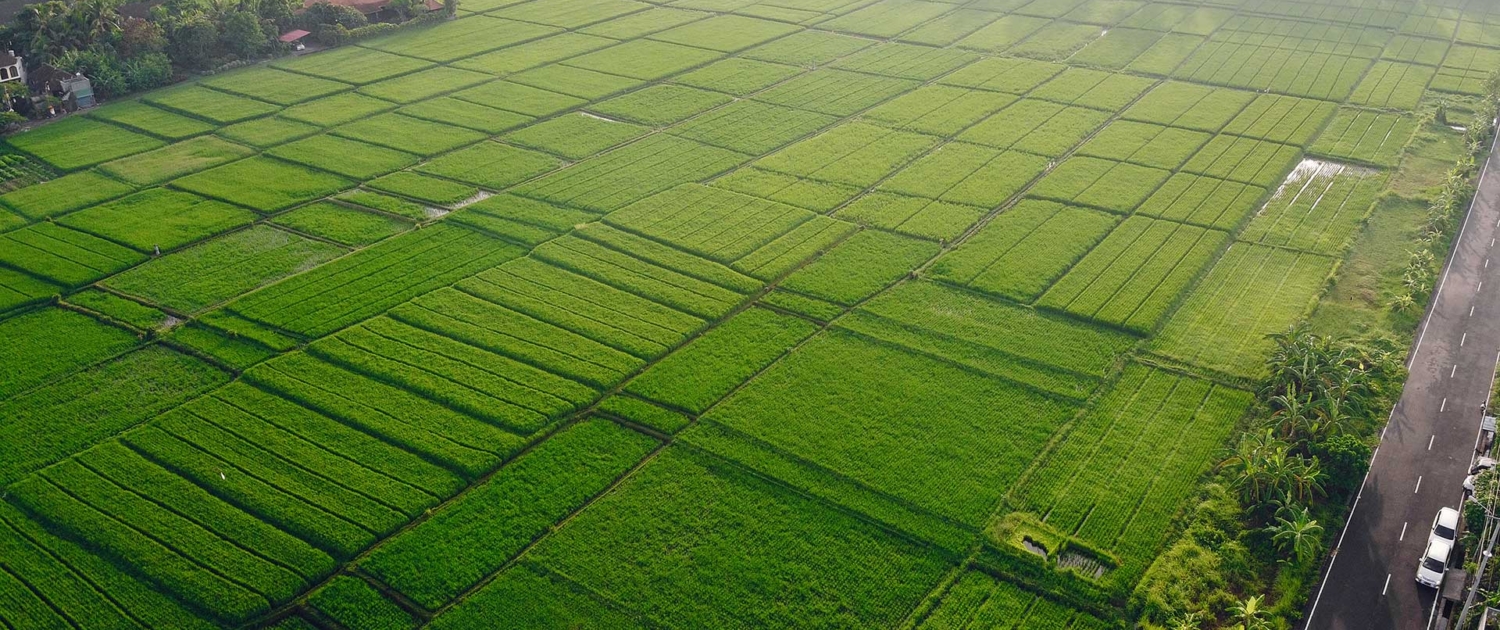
688 314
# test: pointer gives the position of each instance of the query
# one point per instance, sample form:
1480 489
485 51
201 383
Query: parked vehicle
1434 563
1444 526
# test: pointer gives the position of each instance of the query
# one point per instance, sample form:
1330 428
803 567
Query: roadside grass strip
262 183
175 160
1035 126
1022 251
1251 292
224 268
1318 209
473 537
637 170
153 120
80 142
158 218
1153 434
62 256
52 343
67 415
1366 137
362 284
613 549
1135 274
1202 200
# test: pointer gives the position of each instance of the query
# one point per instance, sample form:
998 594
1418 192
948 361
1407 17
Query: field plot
1202 200
1465 69
223 268
1251 292
63 256
158 219
1103 184
1119 504
701 313
1318 208
1135 274
1022 251
80 142
1392 85
1364 136
979 600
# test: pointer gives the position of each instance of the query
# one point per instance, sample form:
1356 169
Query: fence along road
1427 447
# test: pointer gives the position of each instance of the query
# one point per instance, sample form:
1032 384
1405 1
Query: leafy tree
191 41
141 37
1343 458
243 36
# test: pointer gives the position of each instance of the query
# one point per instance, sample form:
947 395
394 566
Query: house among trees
12 68
71 89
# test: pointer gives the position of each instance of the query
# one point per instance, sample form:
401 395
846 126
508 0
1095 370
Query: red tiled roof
292 36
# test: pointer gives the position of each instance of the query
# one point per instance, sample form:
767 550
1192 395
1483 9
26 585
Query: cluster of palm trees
1318 388
48 30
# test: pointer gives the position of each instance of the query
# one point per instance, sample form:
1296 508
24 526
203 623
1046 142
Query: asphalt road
1427 446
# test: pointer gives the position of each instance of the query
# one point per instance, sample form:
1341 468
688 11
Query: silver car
1434 563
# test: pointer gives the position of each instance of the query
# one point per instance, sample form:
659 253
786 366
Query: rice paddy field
690 314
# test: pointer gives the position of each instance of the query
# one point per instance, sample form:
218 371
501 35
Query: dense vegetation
770 313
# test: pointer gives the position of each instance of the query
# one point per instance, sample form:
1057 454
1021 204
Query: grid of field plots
692 314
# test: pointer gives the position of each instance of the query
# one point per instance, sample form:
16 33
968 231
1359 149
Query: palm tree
1296 531
1251 614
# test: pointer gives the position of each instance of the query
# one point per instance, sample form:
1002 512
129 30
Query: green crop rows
627 314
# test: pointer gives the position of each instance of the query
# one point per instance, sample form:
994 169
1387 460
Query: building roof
293 35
